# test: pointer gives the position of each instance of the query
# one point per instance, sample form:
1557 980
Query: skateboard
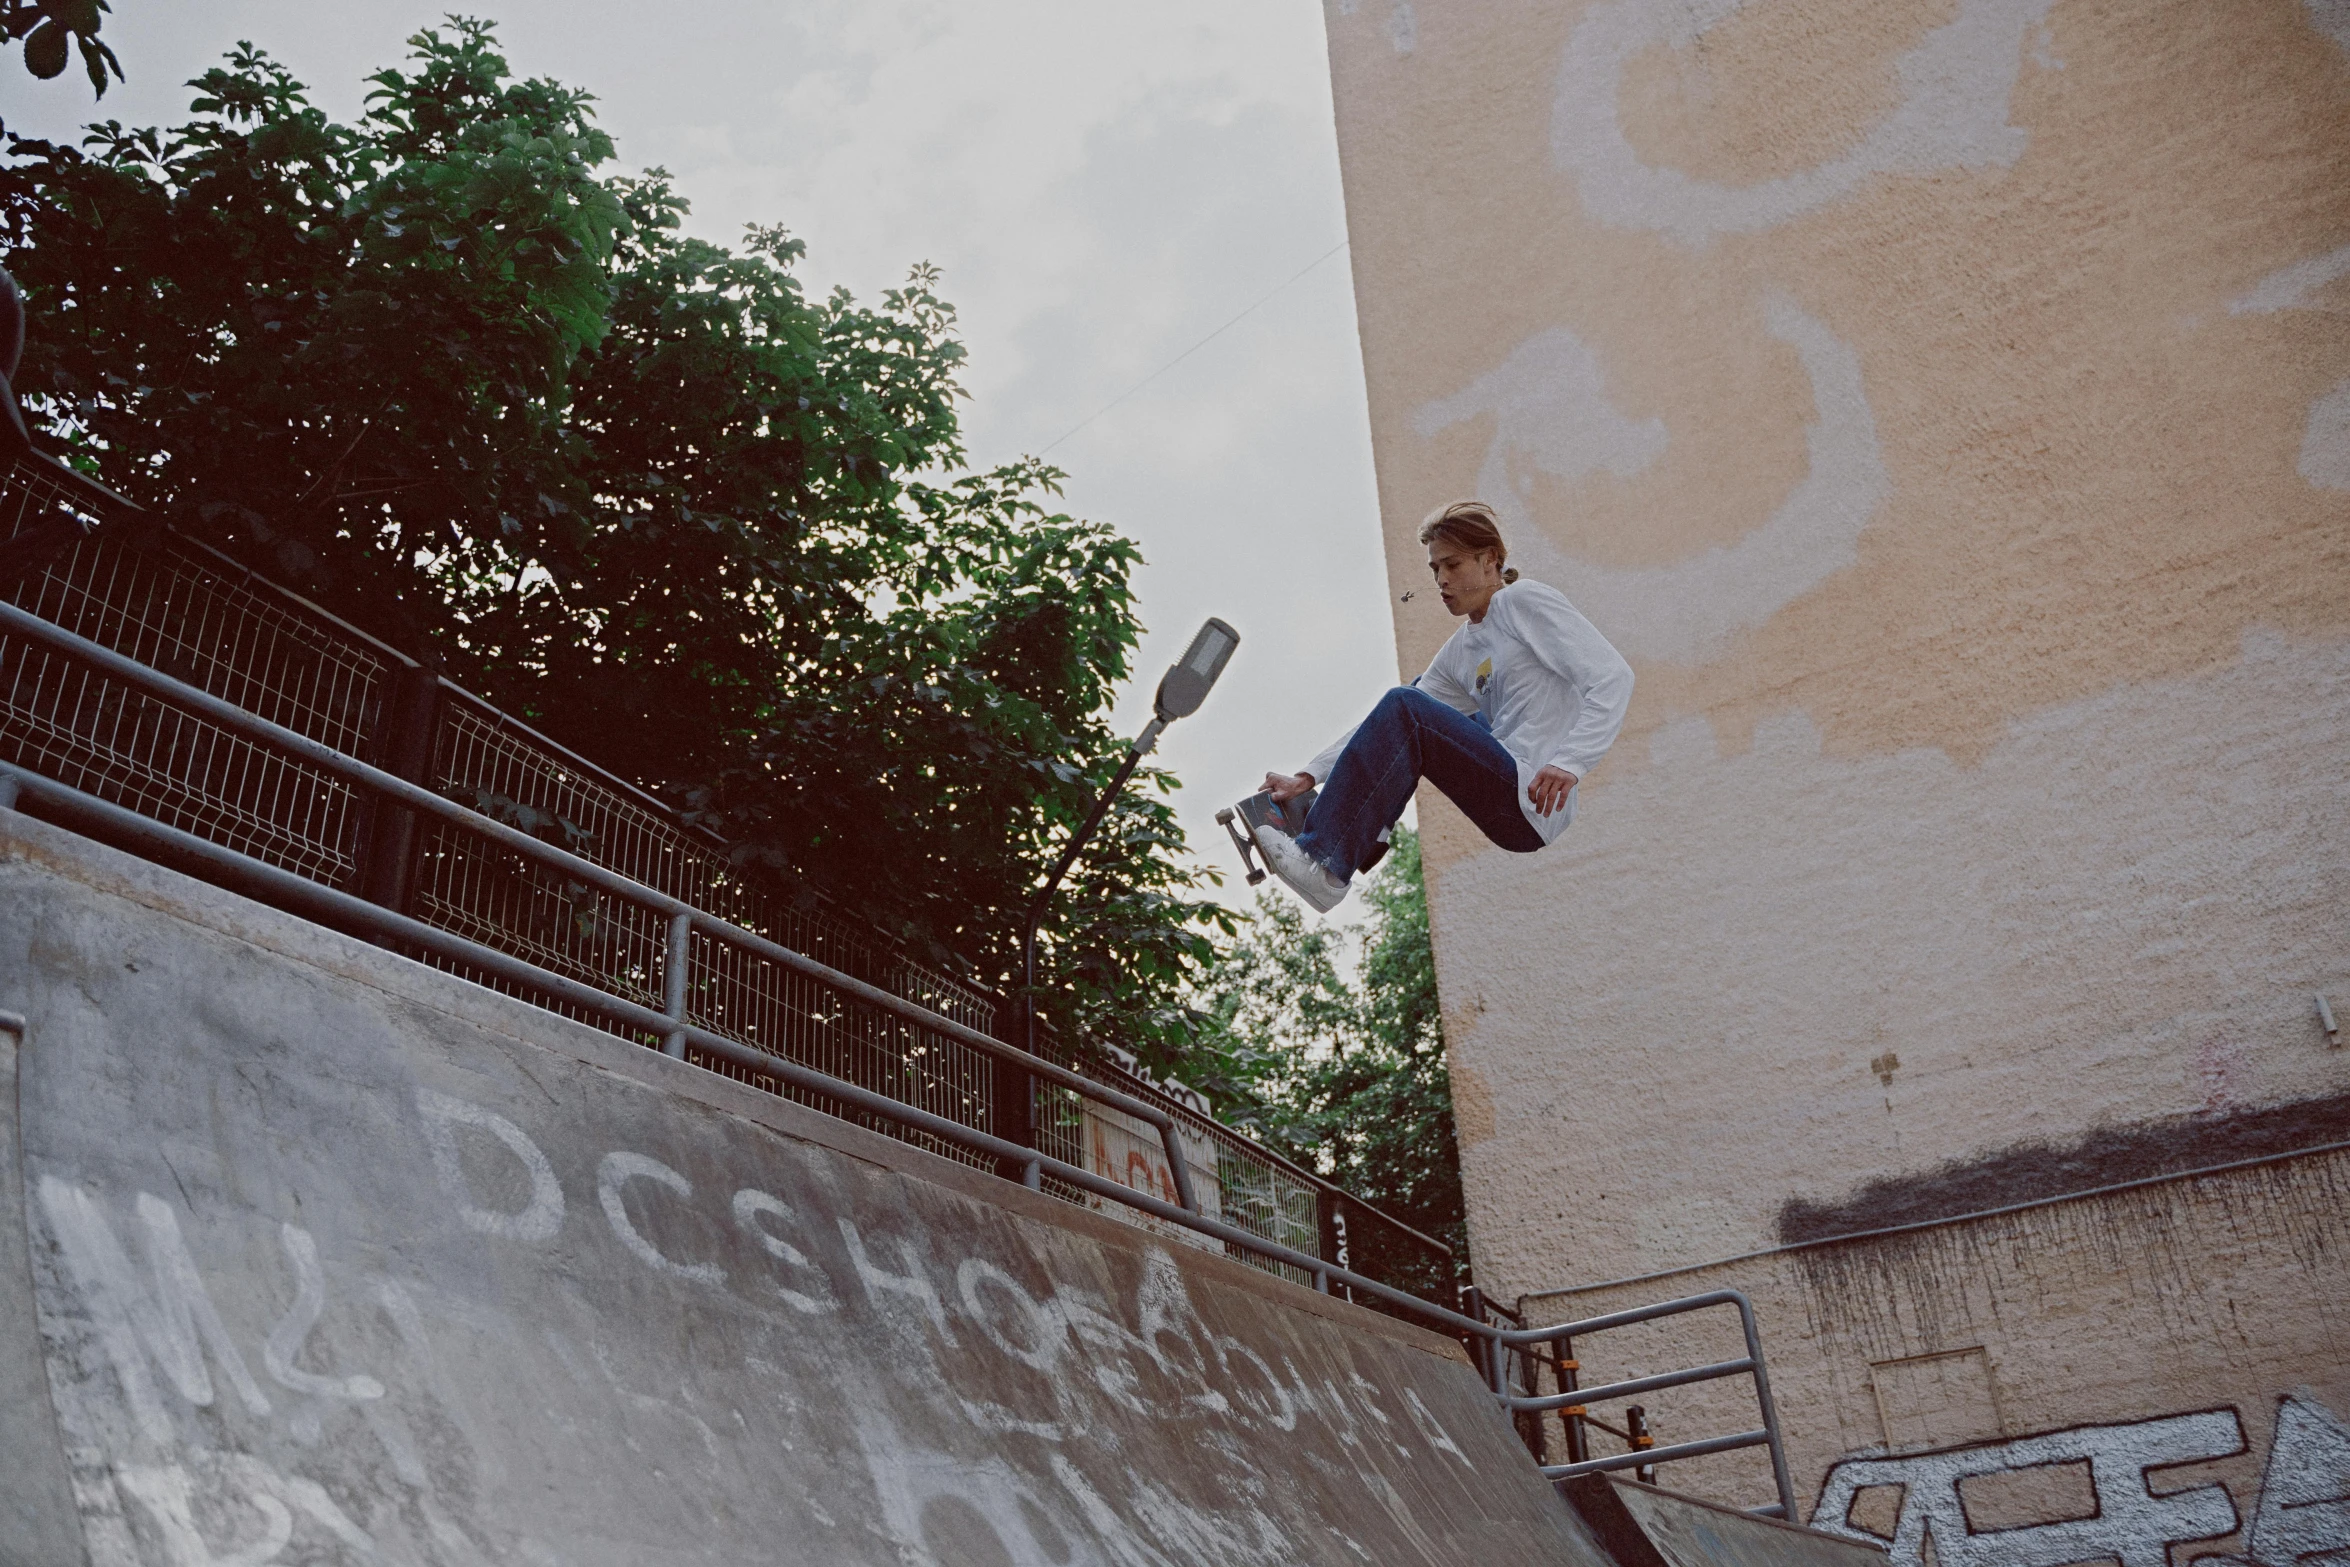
1258 810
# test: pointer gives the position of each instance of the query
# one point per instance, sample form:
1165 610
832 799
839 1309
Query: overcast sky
1105 185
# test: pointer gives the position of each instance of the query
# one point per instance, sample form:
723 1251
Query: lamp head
1186 685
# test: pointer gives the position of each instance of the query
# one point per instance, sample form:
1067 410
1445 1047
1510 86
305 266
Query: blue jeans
1410 736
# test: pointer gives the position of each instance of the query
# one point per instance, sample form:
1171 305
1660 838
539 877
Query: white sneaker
1308 877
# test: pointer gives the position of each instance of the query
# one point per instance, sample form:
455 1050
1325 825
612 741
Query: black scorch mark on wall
2106 1156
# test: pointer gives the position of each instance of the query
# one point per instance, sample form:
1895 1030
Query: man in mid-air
1514 711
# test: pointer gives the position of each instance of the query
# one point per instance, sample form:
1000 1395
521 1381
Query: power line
1194 348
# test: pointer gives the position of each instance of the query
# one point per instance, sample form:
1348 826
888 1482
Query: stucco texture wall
1945 404
2003 1385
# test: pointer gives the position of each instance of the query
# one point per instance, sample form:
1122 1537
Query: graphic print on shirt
1484 674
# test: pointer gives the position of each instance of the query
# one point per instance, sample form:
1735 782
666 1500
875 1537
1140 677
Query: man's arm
1571 647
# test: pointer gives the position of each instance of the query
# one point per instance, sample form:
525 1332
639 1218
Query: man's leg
1409 736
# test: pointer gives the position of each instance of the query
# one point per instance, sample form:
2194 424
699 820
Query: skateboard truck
1259 810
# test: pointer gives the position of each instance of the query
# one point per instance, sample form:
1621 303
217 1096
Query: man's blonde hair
1469 525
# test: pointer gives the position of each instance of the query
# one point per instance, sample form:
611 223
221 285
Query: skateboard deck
1258 810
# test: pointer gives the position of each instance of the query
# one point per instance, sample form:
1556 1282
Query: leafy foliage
51 29
438 372
1344 1072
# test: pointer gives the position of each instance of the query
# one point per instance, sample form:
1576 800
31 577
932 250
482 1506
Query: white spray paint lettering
1045 1331
909 1285
169 1493
1684 611
539 1219
613 1173
1433 1432
2325 439
175 1322
201 1506
293 1329
749 1204
1036 1331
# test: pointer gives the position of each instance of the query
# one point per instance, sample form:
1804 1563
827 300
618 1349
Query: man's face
1465 579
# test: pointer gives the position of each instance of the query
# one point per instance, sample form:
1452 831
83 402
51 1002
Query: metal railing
208 720
142 671
1515 1358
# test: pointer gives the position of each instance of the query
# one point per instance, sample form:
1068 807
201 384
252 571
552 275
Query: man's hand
1285 787
1549 789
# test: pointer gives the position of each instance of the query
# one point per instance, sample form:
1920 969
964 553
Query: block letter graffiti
2131 1525
2304 1510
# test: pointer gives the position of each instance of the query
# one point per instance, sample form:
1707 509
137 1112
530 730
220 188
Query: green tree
1343 1070
441 373
51 30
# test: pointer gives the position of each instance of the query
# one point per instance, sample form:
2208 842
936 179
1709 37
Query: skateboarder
1514 711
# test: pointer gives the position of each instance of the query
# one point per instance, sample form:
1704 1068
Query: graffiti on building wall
2102 1495
1955 89
2303 1515
2325 442
1552 415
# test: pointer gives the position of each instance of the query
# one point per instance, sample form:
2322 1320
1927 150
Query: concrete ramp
334 1259
1643 1526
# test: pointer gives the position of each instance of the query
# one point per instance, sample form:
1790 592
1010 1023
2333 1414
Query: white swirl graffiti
1551 413
1955 87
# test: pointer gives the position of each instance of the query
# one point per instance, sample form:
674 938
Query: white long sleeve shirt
1552 689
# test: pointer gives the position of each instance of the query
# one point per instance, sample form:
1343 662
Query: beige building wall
1945 404
2003 1385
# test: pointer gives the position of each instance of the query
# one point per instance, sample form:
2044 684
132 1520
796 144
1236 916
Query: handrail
1638 1385
96 498
18 622
960 993
675 1029
1661 1455
1516 1337
1750 1364
344 908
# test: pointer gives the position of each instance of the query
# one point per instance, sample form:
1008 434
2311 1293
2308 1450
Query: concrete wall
2003 1386
1946 405
337 1259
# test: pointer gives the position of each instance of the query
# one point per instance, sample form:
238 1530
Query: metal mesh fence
494 896
178 608
746 997
166 606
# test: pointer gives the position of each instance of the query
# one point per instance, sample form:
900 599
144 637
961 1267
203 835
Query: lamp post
1181 691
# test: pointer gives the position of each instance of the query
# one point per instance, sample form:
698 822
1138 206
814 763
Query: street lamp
1182 689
